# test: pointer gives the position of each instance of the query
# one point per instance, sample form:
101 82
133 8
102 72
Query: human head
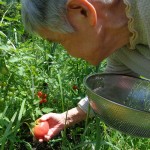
70 19
88 29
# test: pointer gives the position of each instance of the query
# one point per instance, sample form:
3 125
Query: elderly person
93 30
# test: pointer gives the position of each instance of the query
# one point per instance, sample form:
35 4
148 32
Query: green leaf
3 47
4 122
14 59
2 34
8 129
11 19
47 110
21 110
2 3
21 71
38 112
27 145
4 112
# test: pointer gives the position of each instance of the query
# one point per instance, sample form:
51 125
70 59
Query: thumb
45 117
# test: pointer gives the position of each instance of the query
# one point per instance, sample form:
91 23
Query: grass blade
61 91
21 110
7 131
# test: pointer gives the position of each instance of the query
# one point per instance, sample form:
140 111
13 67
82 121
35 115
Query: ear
82 10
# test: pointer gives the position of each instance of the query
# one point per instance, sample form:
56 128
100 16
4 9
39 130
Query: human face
87 40
80 44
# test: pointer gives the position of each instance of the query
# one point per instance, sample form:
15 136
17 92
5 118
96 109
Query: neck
114 32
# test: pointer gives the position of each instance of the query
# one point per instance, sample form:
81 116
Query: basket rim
120 105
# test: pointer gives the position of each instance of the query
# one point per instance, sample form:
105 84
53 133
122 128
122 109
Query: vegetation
29 64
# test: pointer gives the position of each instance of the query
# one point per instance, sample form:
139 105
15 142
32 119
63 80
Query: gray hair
45 13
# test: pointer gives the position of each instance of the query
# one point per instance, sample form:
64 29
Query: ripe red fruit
43 101
40 129
44 96
40 94
75 87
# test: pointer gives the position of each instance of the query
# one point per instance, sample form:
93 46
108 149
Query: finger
50 133
53 132
47 138
41 140
45 117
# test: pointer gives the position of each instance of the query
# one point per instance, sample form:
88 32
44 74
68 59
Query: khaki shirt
134 59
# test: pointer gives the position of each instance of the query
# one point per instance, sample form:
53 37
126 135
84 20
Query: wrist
73 116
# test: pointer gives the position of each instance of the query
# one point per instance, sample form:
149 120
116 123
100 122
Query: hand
56 124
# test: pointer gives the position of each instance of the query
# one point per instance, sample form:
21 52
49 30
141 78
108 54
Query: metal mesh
122 102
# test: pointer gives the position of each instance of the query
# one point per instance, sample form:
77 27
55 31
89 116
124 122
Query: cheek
74 49
75 52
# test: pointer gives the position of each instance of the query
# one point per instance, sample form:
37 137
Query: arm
73 116
58 122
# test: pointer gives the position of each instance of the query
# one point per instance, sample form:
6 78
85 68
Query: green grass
28 62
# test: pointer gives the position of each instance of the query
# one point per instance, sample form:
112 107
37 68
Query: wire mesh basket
122 102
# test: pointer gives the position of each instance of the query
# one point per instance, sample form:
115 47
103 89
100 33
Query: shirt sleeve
85 106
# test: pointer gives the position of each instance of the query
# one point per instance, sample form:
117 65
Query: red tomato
41 129
44 100
40 94
75 87
41 101
44 96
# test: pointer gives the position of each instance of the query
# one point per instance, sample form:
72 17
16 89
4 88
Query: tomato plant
40 129
40 72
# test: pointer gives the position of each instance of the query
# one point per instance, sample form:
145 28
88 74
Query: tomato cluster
42 96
